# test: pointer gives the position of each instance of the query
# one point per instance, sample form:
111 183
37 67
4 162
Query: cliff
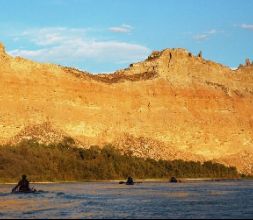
173 105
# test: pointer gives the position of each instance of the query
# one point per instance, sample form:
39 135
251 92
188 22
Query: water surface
230 199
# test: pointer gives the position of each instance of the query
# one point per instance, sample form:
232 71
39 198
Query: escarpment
172 105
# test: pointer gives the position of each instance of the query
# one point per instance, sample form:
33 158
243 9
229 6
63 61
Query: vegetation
243 176
61 162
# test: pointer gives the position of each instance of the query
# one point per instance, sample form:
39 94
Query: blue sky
105 35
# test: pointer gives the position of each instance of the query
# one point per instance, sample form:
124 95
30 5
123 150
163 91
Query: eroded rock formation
172 105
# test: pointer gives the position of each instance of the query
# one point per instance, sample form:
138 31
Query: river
228 199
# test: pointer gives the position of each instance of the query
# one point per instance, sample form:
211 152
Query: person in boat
130 181
173 180
23 185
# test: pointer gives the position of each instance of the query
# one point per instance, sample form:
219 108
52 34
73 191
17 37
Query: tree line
63 162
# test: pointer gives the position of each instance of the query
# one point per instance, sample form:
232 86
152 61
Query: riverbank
63 163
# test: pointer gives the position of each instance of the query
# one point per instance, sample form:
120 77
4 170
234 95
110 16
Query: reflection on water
148 200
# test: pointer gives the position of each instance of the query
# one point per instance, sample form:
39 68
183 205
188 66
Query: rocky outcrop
200 54
2 49
242 160
43 134
247 62
172 105
150 148
3 54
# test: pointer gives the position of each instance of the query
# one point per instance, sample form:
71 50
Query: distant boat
25 192
31 191
129 182
173 180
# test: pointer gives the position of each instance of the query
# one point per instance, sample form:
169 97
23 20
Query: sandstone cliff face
172 105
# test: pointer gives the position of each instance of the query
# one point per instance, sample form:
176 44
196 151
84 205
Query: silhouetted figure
23 185
173 180
200 54
130 181
247 62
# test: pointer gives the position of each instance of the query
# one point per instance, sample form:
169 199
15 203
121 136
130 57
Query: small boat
122 182
126 183
173 180
130 184
26 192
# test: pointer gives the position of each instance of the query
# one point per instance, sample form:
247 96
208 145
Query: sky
106 35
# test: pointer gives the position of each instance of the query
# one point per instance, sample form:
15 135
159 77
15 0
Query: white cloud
63 45
51 36
124 28
247 26
201 37
28 53
205 36
213 31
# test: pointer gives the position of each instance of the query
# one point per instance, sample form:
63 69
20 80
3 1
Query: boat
32 191
126 183
173 180
130 184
